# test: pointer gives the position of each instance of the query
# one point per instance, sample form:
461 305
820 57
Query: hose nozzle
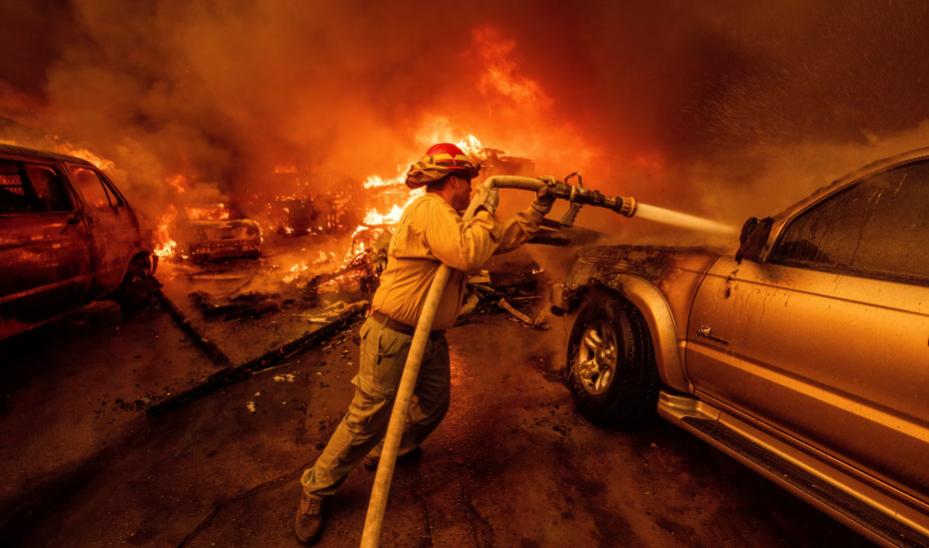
576 195
586 196
629 207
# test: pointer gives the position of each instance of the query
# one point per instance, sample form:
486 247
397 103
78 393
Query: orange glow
177 181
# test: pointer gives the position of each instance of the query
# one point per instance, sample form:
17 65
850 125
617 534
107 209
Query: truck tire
136 284
613 376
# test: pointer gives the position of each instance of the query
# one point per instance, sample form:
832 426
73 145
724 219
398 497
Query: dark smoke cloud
680 103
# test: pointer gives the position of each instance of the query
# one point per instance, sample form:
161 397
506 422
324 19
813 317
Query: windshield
218 212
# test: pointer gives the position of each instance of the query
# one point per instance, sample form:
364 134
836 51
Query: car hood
651 263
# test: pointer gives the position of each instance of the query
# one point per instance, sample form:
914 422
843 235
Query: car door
44 246
114 233
826 339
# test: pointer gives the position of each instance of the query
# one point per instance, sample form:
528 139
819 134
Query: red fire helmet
439 161
449 156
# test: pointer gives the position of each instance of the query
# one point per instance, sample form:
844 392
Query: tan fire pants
361 432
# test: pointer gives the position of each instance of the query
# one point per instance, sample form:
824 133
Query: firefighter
430 232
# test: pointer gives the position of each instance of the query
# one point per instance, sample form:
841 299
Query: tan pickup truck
800 350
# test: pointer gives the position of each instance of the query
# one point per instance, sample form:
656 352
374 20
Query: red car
67 237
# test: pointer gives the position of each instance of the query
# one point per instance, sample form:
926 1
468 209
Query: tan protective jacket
431 231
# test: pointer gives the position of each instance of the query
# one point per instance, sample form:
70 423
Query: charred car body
799 351
215 231
67 237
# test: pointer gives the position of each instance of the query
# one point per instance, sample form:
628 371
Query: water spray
577 196
683 220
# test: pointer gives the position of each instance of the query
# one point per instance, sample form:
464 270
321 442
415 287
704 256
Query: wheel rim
596 357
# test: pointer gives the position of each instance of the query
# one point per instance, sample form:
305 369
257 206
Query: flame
102 163
165 247
472 147
295 271
375 181
285 168
438 129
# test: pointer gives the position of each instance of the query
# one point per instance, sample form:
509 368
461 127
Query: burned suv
67 237
800 351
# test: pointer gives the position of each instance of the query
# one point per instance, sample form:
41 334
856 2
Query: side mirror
753 238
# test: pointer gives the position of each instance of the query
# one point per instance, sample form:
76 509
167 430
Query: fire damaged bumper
675 272
562 299
224 240
225 250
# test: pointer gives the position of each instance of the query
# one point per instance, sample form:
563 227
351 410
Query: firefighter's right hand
488 199
545 197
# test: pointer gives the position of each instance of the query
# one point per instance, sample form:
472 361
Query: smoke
716 108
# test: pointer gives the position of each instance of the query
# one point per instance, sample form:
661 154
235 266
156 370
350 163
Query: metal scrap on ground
498 291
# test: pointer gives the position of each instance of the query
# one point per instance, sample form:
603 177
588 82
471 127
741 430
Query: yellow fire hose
377 507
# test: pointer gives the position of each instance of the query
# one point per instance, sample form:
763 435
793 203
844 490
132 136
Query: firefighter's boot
309 520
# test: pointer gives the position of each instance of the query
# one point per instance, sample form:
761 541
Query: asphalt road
512 465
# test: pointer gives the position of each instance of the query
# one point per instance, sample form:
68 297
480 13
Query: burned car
215 231
800 351
67 237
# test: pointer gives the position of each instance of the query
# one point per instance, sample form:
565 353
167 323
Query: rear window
14 197
48 187
31 188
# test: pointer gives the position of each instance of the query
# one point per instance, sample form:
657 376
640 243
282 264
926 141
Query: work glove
488 199
545 197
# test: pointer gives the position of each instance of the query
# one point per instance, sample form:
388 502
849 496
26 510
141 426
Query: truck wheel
135 286
613 377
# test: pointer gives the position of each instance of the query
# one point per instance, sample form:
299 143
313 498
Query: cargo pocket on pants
391 349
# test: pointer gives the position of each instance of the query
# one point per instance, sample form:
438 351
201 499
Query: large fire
302 214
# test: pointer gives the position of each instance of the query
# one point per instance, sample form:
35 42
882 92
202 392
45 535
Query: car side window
16 195
48 188
877 228
115 199
96 192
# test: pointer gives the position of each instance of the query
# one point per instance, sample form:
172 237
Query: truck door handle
707 332
71 221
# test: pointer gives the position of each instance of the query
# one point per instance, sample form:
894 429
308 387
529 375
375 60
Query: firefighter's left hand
489 199
545 197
